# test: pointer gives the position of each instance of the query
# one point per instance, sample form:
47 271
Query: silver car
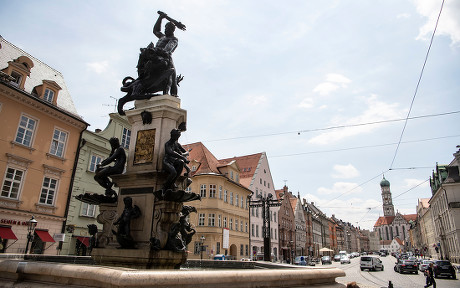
424 265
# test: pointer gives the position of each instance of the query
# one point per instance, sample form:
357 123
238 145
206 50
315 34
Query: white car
424 265
344 259
371 263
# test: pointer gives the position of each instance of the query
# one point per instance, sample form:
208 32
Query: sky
323 87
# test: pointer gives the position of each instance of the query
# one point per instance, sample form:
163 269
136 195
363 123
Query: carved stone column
106 217
166 213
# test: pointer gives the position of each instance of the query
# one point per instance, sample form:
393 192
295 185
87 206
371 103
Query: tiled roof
400 242
208 163
385 242
39 72
384 220
248 165
410 217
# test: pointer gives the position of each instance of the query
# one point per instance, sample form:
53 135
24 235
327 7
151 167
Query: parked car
337 258
371 263
326 260
344 259
443 268
406 266
424 265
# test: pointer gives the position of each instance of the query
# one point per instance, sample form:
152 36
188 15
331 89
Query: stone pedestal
152 121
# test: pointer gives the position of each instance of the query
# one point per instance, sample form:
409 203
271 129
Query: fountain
149 212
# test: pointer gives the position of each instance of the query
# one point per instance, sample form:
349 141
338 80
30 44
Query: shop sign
13 222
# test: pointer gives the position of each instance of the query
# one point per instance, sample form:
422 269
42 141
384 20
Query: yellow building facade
222 219
40 132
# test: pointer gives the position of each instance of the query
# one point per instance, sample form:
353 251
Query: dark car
406 266
443 268
326 260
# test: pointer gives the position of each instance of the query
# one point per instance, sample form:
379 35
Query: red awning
7 233
84 240
44 235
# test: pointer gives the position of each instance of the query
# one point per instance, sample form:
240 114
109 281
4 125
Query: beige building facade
222 218
40 132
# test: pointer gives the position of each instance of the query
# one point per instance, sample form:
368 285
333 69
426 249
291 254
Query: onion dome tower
388 208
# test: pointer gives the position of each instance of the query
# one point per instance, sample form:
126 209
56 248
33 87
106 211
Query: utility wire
366 146
335 127
416 87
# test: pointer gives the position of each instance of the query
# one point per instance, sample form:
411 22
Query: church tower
388 208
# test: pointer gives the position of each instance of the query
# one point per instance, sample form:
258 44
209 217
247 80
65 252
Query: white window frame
201 218
211 220
231 198
88 210
219 220
48 96
58 145
12 180
212 190
203 190
47 192
26 130
93 161
125 138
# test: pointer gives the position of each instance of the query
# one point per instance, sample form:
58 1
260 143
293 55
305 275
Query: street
378 279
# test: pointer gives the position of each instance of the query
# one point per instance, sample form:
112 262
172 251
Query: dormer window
17 78
48 96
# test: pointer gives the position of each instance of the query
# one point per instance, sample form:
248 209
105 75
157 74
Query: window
88 209
241 249
211 220
58 143
260 180
231 198
203 190
236 224
274 217
12 183
252 211
252 230
225 196
257 230
49 95
48 191
220 192
236 200
242 202
125 138
257 211
231 223
201 219
231 175
225 222
26 131
247 250
241 225
218 248
212 190
95 159
17 78
219 220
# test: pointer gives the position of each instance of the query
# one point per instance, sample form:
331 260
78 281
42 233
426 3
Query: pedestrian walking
429 276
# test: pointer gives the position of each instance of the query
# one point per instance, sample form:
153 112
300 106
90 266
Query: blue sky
272 76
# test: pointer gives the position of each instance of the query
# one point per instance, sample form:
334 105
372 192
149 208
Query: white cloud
306 103
403 15
345 171
333 82
341 188
98 67
376 111
449 22
411 183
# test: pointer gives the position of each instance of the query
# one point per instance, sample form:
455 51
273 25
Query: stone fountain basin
23 273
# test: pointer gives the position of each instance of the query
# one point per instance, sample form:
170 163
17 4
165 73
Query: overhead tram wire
362 147
416 87
335 127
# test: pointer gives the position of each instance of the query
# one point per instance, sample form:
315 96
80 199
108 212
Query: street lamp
201 245
32 223
265 203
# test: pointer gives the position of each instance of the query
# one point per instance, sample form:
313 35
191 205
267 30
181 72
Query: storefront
7 238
